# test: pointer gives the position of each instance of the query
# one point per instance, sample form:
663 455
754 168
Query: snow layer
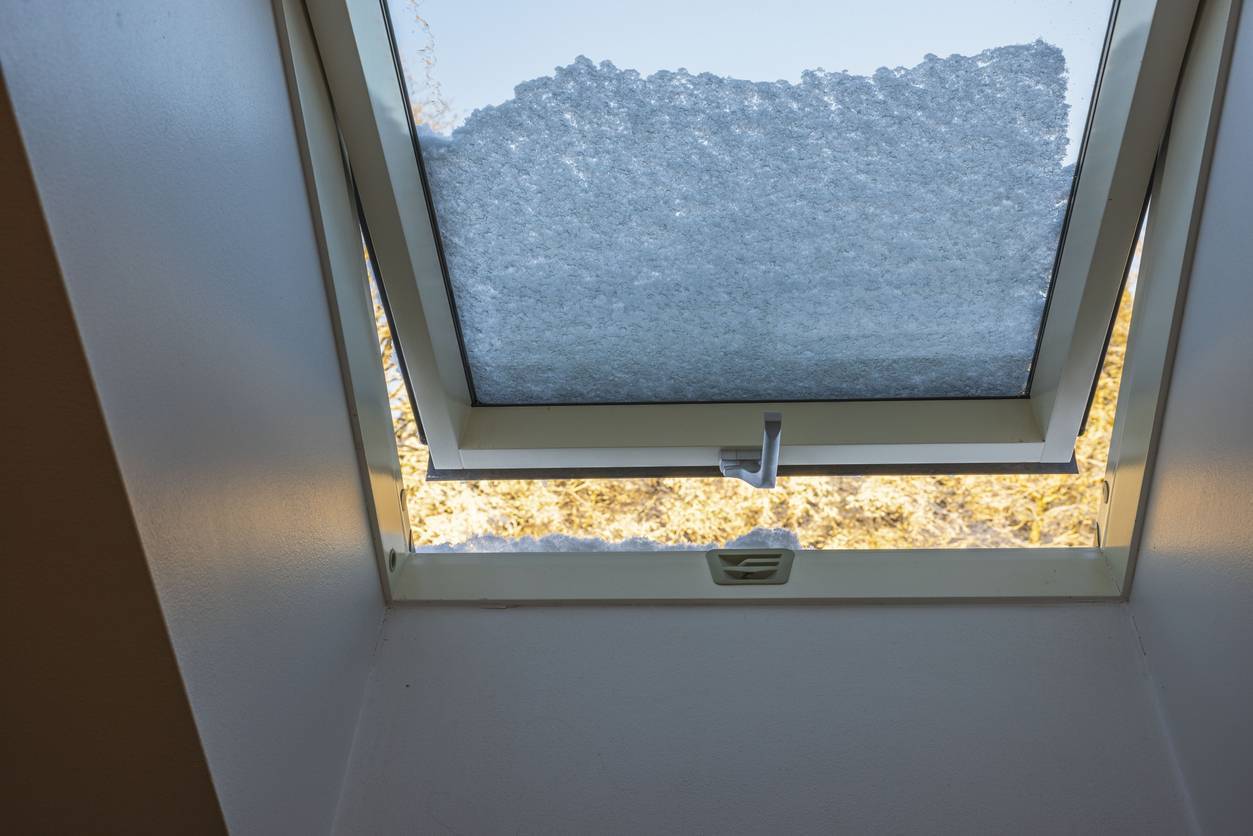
758 538
614 237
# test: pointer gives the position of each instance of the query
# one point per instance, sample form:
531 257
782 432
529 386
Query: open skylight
1063 120
615 239
701 212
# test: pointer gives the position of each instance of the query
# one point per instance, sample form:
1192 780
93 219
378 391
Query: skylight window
409 108
614 239
705 214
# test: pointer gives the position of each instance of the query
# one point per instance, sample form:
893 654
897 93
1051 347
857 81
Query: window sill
857 576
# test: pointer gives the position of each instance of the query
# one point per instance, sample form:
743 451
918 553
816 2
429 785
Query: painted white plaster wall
940 719
163 144
162 139
1193 594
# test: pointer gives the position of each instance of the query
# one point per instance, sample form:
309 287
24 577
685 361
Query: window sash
1147 42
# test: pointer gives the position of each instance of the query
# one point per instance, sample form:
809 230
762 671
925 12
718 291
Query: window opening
879 511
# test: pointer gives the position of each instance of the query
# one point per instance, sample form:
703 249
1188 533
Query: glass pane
657 202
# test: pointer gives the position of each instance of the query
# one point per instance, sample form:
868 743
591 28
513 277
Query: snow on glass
757 538
615 237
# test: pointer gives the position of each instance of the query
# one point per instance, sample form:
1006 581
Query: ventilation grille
750 566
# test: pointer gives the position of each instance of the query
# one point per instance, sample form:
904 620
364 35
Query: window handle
758 468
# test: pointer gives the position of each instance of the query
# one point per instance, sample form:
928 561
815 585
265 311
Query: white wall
161 137
163 145
1193 592
940 719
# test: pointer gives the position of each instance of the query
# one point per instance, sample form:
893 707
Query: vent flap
750 566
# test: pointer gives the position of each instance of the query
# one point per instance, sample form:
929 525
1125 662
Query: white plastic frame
1099 573
1146 46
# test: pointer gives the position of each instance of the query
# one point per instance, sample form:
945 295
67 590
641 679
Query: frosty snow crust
758 538
677 237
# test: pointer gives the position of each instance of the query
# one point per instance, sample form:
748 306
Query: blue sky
483 49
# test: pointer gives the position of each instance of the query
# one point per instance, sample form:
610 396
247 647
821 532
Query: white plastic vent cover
731 567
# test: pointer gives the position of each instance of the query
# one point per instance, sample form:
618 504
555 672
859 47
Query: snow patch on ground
616 237
758 538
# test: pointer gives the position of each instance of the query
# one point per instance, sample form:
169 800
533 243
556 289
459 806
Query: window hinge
758 468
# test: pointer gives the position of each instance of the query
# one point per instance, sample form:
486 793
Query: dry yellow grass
826 512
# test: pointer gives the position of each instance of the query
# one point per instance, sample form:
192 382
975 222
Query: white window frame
322 41
1146 44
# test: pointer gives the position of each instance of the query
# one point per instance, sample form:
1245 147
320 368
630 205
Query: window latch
758 468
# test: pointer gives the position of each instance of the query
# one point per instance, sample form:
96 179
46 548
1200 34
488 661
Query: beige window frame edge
1101 573
338 235
1147 44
